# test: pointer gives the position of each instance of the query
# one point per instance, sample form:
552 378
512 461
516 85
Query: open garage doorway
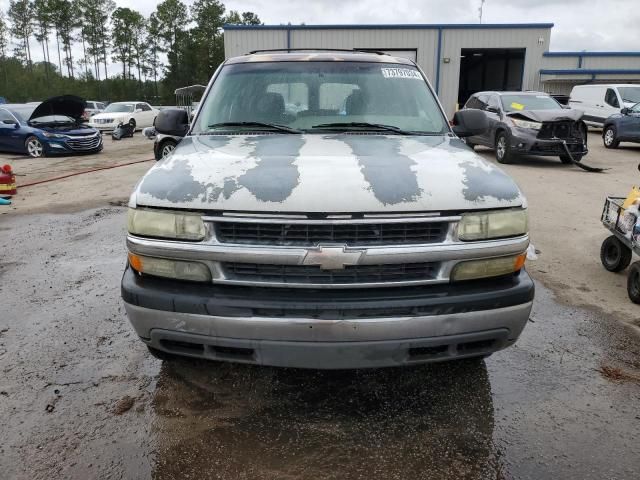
489 69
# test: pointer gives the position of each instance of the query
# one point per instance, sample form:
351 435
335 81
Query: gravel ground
80 397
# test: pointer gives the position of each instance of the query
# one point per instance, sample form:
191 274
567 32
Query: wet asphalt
80 397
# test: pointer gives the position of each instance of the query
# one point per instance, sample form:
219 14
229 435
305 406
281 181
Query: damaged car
529 123
52 127
356 231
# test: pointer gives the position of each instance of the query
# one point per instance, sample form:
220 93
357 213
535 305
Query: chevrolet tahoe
321 212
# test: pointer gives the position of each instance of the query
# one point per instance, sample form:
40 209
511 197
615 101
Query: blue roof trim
394 26
591 54
589 71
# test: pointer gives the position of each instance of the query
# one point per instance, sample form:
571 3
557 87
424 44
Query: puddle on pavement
540 409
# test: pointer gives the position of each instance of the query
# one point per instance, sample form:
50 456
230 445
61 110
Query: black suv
529 123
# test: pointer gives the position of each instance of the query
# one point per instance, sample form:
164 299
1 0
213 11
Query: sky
579 24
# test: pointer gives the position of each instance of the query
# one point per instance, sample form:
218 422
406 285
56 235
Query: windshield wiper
272 126
366 126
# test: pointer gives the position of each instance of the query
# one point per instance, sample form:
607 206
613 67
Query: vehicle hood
325 173
68 105
554 115
71 130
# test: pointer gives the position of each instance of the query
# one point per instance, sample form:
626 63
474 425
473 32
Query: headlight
178 269
166 224
496 224
53 135
492 267
526 124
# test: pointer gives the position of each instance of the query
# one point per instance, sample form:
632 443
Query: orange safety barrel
7 182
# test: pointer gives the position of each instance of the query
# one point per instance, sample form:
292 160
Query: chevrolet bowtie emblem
332 258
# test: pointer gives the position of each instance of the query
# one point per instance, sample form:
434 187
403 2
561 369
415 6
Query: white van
598 102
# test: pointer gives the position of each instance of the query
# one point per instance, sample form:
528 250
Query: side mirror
138 110
625 111
10 122
172 121
467 123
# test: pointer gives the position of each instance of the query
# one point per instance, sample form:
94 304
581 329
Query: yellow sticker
517 106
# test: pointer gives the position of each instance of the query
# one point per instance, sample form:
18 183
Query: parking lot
83 398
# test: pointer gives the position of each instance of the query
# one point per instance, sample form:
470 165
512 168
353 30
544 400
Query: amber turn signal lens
136 262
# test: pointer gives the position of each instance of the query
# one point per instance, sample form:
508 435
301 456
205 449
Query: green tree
42 12
122 20
4 40
247 18
173 18
208 16
250 18
20 15
153 50
95 16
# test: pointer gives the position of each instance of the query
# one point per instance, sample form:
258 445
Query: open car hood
67 105
555 115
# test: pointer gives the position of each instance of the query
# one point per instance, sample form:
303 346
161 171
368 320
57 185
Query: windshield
22 113
119 108
630 94
515 103
304 95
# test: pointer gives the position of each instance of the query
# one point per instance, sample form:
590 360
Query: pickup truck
321 212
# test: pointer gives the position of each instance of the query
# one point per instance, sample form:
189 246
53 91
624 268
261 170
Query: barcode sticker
401 73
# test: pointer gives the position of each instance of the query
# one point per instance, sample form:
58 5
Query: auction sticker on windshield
401 73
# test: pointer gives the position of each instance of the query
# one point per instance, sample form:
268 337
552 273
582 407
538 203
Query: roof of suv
317 56
514 92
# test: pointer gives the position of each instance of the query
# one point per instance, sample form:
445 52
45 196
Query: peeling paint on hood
326 173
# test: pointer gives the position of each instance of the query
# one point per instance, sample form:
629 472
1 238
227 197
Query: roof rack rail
364 50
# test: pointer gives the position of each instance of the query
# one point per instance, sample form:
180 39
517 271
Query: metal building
458 59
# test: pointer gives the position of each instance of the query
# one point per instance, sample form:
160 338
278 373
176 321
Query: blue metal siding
589 71
591 54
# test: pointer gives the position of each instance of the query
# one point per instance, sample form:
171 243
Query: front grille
550 130
84 143
302 234
103 120
289 274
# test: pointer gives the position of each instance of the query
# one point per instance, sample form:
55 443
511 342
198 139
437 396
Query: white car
600 101
141 114
92 108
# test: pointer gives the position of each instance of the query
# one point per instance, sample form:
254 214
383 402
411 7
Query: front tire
633 283
609 137
503 149
34 147
167 147
615 255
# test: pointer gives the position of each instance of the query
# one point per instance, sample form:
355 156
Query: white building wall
241 42
535 41
613 62
422 40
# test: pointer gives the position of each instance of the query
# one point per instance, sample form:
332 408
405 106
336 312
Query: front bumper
527 143
328 329
61 148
